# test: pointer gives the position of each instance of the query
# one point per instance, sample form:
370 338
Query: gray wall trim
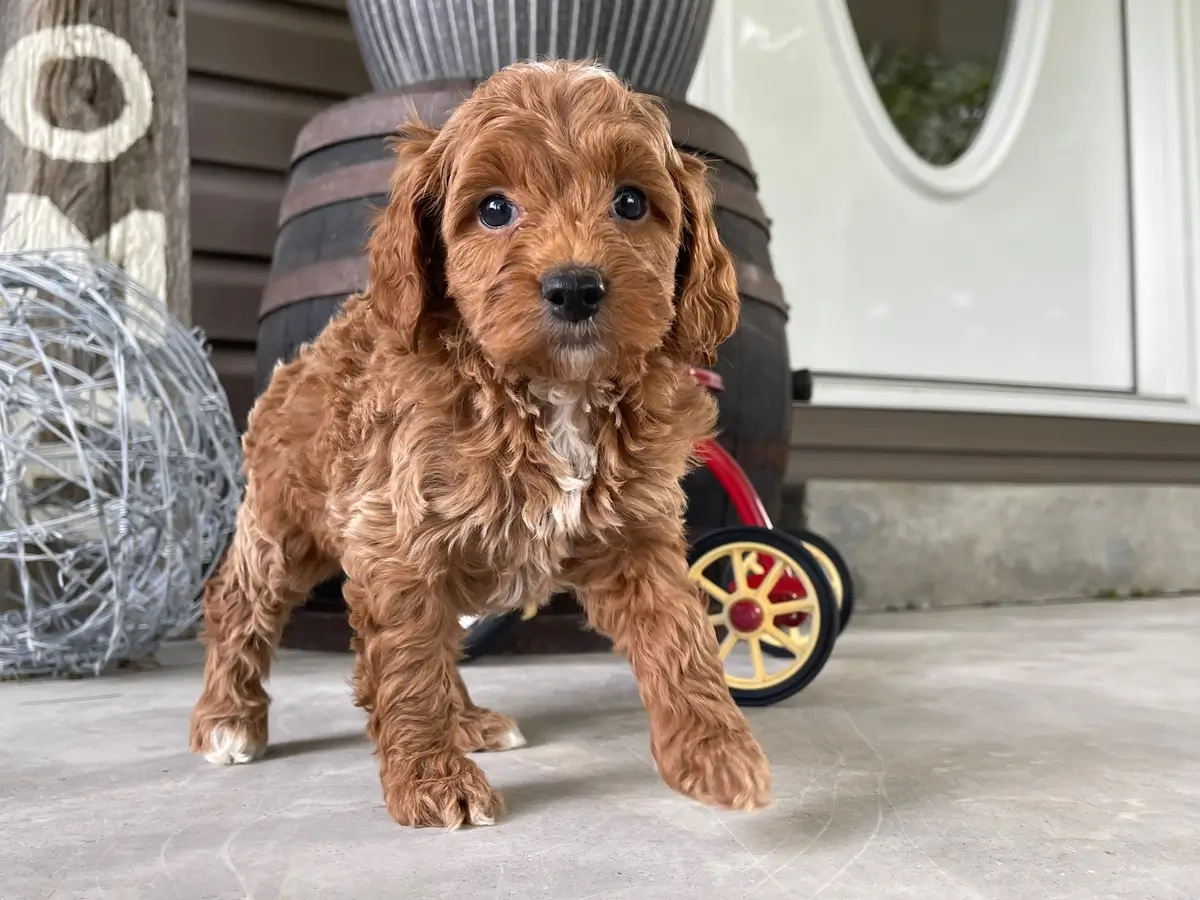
902 445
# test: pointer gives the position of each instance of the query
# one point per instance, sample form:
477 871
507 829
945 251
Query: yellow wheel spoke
727 645
763 593
785 640
716 618
756 657
804 604
741 566
713 591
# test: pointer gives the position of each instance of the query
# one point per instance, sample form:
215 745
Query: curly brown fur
456 450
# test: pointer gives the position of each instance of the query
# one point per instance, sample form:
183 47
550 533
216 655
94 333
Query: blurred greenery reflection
935 64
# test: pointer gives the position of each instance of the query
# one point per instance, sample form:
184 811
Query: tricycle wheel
764 585
833 564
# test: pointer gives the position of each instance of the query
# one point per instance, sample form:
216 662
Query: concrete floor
1045 753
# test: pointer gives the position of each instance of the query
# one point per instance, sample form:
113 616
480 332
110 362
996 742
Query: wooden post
93 135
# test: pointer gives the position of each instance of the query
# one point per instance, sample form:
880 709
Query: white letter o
18 87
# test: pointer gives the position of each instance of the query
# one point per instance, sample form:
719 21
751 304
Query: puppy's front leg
405 678
641 597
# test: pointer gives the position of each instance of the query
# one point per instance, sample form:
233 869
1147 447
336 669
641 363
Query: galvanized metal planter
653 44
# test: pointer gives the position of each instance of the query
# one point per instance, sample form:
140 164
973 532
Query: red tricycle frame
732 477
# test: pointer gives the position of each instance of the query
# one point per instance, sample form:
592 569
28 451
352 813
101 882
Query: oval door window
940 86
935 65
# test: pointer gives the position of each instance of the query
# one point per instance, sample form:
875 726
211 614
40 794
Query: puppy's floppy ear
407 257
706 297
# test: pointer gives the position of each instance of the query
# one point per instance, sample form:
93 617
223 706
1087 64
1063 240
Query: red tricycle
778 599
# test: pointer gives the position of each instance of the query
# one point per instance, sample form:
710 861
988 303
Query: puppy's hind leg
481 729
246 604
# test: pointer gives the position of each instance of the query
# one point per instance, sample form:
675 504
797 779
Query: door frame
1159 65
1164 206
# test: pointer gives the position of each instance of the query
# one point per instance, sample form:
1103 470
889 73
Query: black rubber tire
486 632
846 611
846 603
826 604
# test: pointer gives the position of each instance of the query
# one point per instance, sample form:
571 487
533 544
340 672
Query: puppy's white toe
228 747
480 817
514 739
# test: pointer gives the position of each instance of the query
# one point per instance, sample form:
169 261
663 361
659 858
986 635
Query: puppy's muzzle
573 293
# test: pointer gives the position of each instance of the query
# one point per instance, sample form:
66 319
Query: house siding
252 84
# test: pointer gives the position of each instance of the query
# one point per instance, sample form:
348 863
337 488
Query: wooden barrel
340 170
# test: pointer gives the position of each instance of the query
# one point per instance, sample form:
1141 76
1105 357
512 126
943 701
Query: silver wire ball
120 466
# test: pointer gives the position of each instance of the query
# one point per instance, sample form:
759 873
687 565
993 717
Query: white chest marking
570 438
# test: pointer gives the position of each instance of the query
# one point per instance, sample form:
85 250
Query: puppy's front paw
441 792
228 740
481 729
722 767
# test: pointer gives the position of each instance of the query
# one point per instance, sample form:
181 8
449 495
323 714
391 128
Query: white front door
951 191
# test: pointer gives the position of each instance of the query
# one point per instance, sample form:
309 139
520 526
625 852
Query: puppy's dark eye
497 211
629 203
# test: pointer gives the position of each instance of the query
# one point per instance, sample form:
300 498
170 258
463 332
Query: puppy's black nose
573 293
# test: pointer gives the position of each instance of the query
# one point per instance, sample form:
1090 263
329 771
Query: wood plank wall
257 71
